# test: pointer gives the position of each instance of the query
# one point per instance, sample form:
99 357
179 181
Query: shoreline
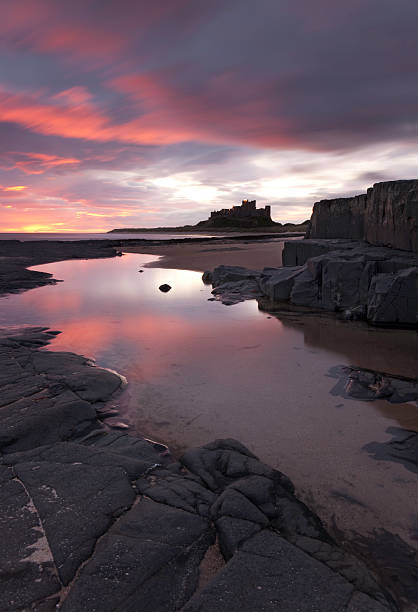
17 256
199 257
192 229
109 252
59 460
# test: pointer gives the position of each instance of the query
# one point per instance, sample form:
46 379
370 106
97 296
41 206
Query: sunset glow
156 114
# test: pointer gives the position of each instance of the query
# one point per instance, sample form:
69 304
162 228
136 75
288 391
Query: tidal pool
198 370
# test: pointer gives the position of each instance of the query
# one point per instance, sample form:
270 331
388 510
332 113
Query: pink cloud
220 112
35 163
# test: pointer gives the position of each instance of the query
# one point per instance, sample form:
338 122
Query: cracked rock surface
96 520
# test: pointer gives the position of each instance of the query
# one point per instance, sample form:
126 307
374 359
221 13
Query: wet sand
199 257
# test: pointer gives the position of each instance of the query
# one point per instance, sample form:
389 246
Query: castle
246 215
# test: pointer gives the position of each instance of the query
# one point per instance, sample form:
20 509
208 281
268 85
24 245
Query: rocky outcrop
297 252
93 519
233 284
339 218
376 284
369 385
391 216
387 215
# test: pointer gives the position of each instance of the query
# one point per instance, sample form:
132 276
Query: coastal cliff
340 218
386 215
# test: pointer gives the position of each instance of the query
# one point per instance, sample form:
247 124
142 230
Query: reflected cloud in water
199 370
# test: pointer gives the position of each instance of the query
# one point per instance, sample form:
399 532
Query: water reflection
392 351
199 370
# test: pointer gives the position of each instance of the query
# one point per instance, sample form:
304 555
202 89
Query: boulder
306 290
207 277
233 292
393 298
226 274
277 283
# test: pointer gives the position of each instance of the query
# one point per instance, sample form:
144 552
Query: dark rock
234 284
76 504
207 277
227 274
40 419
89 383
297 252
164 288
232 532
305 290
235 505
391 216
252 498
386 215
177 490
233 292
277 283
339 218
393 298
27 567
133 455
148 560
358 280
370 385
268 573
221 462
398 563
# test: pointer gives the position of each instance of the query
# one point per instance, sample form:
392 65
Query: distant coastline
273 229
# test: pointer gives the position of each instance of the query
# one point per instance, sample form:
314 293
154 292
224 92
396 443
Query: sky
132 113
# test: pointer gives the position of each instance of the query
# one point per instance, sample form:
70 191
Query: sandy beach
207 255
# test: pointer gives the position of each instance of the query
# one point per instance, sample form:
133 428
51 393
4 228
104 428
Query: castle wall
246 215
246 210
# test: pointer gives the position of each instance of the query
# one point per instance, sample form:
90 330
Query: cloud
158 112
35 163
